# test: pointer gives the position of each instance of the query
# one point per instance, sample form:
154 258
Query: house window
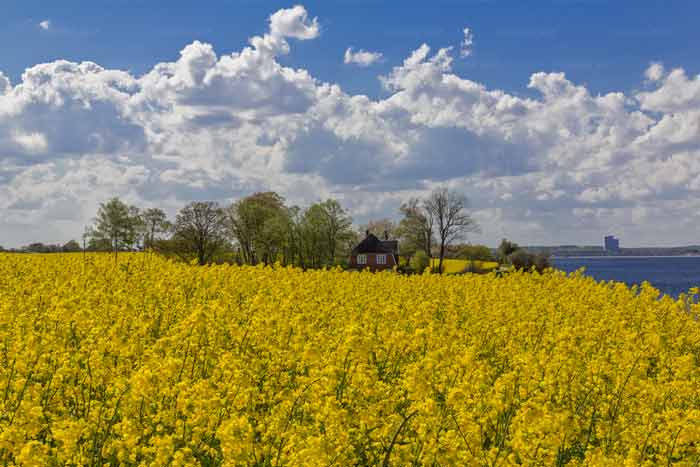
361 259
381 259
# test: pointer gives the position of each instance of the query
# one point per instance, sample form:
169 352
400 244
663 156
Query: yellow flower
154 362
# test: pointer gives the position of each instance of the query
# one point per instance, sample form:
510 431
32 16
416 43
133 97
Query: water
672 275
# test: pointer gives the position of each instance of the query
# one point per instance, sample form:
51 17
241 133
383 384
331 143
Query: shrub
419 261
522 259
505 249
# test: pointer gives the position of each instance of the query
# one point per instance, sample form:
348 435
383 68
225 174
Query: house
374 253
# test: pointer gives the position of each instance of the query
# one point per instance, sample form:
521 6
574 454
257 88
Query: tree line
263 229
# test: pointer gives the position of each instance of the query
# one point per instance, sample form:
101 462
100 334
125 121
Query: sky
561 121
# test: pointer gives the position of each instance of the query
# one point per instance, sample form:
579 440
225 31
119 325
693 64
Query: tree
524 260
155 223
116 224
260 225
415 230
505 249
325 232
199 229
380 228
337 227
71 247
447 210
419 261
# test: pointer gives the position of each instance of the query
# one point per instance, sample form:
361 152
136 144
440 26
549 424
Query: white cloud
467 43
655 71
361 57
33 143
564 165
294 22
45 24
5 84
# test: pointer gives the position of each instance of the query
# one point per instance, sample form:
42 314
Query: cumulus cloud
45 24
563 165
467 43
655 72
294 22
5 84
361 57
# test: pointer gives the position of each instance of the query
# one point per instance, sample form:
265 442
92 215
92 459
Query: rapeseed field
455 266
148 362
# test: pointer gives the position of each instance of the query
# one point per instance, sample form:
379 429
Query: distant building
612 244
375 254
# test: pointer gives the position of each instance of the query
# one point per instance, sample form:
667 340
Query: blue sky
562 121
606 45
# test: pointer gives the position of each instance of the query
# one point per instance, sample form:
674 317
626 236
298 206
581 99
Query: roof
391 245
371 244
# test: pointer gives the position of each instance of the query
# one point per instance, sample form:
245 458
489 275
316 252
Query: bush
419 261
505 250
524 260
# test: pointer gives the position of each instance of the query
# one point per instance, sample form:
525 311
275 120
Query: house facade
375 254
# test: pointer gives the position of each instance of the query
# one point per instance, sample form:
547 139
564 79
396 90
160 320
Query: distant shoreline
625 256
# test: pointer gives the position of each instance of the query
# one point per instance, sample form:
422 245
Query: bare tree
380 227
447 209
199 229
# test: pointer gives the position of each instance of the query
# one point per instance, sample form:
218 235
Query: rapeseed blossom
149 362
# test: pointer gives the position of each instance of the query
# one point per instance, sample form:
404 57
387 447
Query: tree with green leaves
260 225
325 233
337 228
155 225
199 229
116 224
505 249
71 247
419 261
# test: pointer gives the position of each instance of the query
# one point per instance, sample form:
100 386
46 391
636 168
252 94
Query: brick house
374 253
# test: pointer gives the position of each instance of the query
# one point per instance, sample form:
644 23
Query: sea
671 275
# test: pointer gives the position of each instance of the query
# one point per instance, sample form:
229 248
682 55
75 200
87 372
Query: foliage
199 231
152 362
38 247
71 247
324 236
155 226
259 224
525 260
510 253
117 225
505 249
419 261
